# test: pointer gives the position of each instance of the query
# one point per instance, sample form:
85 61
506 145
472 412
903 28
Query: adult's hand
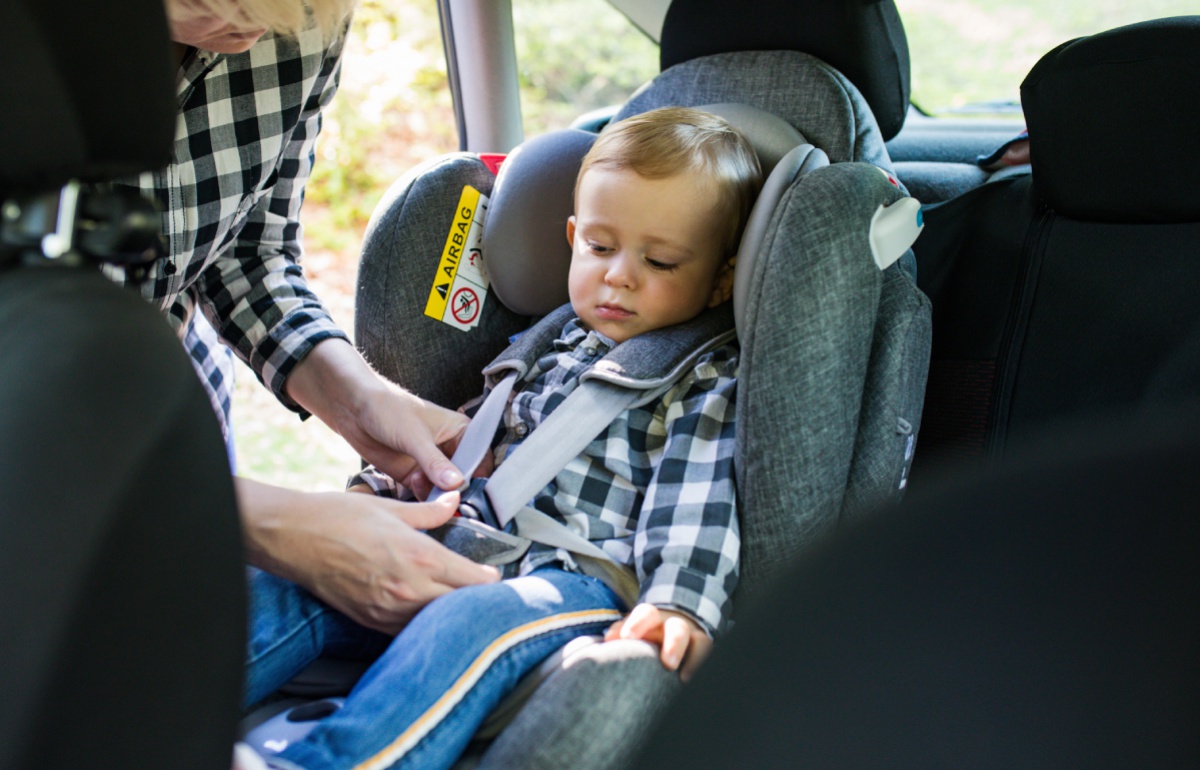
358 553
389 427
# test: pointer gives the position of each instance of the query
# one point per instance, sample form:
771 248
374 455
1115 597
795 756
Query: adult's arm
391 428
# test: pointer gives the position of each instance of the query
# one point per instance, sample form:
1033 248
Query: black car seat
1044 613
811 456
1071 293
121 585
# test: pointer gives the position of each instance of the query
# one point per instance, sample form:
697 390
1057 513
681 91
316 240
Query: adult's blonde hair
286 17
675 140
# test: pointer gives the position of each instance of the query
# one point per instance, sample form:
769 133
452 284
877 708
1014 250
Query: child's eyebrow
675 246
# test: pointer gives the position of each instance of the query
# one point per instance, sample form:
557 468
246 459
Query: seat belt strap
476 441
592 560
575 423
584 414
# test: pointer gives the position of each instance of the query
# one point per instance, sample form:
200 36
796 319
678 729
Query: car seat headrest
87 89
864 40
806 92
525 234
1112 123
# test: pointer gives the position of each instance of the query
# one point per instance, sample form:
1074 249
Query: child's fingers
614 631
698 650
644 622
676 636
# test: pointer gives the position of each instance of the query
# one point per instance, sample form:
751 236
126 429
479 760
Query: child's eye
598 248
657 265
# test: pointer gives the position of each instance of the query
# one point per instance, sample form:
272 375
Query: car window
576 56
970 56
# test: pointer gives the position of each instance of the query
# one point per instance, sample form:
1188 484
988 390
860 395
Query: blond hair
674 140
286 17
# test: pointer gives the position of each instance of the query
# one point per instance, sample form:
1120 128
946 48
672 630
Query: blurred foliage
574 56
392 111
969 51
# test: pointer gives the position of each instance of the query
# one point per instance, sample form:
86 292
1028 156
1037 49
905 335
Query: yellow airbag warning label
461 283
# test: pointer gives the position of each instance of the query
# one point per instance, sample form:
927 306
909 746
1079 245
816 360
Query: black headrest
863 39
525 236
87 91
1113 123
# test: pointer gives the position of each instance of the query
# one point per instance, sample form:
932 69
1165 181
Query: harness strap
476 441
592 560
584 414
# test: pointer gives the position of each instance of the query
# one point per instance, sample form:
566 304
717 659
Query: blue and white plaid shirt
655 490
245 135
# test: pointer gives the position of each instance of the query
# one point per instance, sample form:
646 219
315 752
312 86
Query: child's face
192 25
646 253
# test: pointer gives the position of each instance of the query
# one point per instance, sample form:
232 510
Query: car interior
1031 382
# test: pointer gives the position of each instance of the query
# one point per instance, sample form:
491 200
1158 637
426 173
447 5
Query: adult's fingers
430 459
426 515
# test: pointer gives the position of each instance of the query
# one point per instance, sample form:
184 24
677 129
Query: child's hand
681 639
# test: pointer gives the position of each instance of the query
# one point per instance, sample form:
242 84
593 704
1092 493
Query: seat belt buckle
475 504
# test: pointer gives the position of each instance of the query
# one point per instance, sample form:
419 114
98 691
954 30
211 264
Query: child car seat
834 349
121 578
1070 293
806 447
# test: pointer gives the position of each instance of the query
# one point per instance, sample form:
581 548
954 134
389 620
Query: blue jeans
427 693
290 628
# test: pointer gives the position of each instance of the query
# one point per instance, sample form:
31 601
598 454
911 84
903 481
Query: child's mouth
613 312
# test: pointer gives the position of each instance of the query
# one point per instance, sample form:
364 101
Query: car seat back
64 119
863 43
121 572
1070 292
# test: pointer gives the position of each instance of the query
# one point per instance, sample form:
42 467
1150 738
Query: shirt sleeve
255 293
687 543
379 482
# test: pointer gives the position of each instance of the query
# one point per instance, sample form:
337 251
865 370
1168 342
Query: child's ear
723 285
571 231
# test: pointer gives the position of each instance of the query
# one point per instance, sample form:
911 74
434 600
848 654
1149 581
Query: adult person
253 79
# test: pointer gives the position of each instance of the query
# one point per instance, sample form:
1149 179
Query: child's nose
620 272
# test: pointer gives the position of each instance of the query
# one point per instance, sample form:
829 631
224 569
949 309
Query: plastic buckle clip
475 504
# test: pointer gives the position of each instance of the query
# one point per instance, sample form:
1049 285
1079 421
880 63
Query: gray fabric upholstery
401 251
815 98
593 713
807 347
893 396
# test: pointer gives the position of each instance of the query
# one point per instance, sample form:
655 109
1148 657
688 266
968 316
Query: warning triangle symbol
445 287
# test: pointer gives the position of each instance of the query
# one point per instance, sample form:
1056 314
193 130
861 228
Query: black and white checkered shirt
244 146
655 490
